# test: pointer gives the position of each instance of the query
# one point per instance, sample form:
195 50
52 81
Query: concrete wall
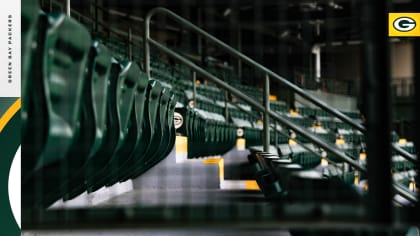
341 102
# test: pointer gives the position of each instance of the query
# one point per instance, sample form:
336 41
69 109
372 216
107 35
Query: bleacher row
289 155
92 119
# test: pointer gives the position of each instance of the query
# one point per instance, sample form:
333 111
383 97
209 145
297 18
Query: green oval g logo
404 24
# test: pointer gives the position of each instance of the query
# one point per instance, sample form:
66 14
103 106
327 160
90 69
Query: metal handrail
268 74
279 118
253 63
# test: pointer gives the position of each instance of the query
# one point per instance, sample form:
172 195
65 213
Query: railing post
276 134
146 46
68 8
194 85
226 105
266 124
130 46
239 49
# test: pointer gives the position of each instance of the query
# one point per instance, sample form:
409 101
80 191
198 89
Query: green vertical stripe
9 143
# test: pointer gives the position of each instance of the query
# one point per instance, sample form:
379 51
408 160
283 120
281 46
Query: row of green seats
309 111
208 133
89 120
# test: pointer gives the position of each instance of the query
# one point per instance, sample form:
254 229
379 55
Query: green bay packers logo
178 120
404 24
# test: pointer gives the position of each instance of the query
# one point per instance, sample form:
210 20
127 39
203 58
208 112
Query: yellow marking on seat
181 144
292 141
356 180
340 141
324 162
273 97
293 112
412 186
240 143
402 141
362 156
251 185
11 111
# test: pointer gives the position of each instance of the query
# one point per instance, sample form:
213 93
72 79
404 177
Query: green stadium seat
123 91
161 132
64 63
171 127
34 107
137 123
153 94
93 118
66 53
128 143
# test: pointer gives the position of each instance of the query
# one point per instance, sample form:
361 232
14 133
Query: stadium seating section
93 118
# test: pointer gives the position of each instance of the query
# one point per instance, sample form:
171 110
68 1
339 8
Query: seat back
65 58
170 125
93 118
124 80
138 123
29 22
161 137
34 107
96 93
154 91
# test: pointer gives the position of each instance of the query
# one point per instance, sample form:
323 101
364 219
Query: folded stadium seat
97 162
308 111
279 106
280 179
153 94
209 134
137 122
121 100
171 127
160 138
252 136
352 114
133 129
65 58
168 139
34 107
29 23
318 189
92 121
299 155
